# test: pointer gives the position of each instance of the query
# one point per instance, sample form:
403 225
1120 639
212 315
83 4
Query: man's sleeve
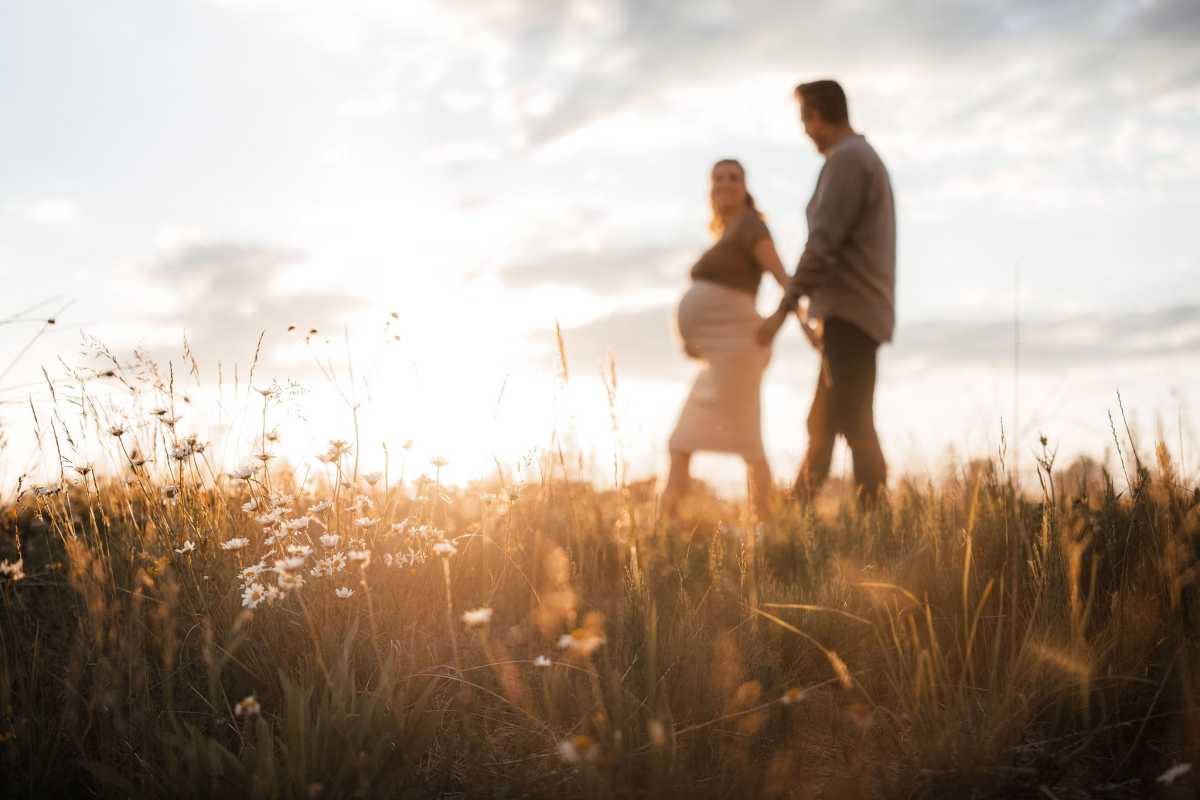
839 206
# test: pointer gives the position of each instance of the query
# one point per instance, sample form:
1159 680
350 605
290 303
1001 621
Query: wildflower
46 491
330 539
180 452
253 594
372 478
234 544
319 507
792 696
289 564
273 436
158 412
477 618
170 422
542 662
579 749
289 581
247 707
117 431
360 555
250 506
253 571
581 641
400 527
273 594
366 522
344 592
265 392
82 469
280 500
243 474
445 549
136 459
439 461
1177 771
301 550
269 519
264 457
337 562
170 491
15 570
322 567
337 449
297 524
188 547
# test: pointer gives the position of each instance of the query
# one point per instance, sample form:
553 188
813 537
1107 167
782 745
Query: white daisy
253 594
477 618
247 707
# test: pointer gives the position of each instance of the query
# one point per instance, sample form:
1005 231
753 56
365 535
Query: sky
435 186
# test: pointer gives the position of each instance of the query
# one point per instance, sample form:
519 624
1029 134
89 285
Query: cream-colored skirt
722 413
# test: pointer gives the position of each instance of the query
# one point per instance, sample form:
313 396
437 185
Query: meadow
172 629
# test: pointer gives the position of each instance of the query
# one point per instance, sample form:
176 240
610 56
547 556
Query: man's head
823 112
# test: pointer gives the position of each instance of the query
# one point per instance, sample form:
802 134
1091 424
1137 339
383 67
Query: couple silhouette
842 292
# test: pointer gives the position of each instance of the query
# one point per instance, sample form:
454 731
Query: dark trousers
847 408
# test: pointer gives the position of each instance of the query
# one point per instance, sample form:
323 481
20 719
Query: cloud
1052 344
645 345
375 105
224 294
608 272
949 82
47 211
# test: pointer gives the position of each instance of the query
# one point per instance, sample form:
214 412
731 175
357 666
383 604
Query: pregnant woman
717 321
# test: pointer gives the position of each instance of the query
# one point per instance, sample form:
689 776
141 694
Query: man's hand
769 327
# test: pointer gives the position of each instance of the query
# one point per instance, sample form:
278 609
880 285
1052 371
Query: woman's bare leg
758 487
677 483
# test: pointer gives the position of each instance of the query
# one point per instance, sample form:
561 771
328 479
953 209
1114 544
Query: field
171 630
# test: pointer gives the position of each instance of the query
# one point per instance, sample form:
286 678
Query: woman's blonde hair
716 224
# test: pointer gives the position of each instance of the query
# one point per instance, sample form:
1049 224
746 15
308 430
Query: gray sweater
848 268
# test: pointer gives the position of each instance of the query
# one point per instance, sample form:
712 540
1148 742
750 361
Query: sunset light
599 398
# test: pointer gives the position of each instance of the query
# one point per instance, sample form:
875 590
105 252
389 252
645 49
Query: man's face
815 126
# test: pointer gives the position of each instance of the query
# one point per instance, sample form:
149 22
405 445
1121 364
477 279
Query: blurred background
432 187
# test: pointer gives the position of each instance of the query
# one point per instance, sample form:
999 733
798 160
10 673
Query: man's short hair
827 97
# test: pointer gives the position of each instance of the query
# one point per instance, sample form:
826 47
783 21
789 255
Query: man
848 272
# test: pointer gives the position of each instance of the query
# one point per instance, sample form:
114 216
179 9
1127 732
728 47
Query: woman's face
728 186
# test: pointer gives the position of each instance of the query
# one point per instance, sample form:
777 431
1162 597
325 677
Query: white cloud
47 211
374 105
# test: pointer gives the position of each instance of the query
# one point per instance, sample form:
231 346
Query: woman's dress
717 321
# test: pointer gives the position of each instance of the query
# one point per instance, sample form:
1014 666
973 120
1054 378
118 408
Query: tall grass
961 640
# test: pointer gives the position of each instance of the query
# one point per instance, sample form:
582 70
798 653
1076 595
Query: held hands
770 327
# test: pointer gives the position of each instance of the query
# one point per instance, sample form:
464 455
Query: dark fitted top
730 261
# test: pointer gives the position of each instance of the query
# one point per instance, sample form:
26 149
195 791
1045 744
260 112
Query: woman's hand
769 327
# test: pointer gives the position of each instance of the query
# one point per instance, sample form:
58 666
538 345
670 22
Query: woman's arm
768 259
